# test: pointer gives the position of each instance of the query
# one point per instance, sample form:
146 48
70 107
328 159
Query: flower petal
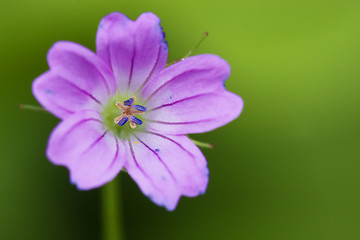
166 167
190 97
195 114
61 96
135 50
79 68
92 155
191 76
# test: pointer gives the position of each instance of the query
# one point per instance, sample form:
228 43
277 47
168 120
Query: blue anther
139 108
128 102
136 120
123 121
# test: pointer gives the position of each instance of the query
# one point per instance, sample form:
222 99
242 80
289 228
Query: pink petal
61 96
77 76
190 97
195 114
135 50
166 167
92 155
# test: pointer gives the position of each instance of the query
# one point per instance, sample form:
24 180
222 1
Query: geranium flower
97 94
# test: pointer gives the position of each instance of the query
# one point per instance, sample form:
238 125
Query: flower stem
32 108
191 50
111 211
203 144
197 45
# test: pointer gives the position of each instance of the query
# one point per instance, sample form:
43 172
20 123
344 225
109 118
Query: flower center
122 112
128 112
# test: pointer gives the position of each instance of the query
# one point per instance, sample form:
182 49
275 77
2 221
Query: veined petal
82 144
83 68
192 76
135 50
190 97
166 167
115 45
61 96
195 114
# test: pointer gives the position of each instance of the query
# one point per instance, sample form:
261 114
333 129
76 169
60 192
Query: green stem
197 45
172 62
191 50
203 144
32 108
111 211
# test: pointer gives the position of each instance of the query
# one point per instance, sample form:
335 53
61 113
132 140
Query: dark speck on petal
157 150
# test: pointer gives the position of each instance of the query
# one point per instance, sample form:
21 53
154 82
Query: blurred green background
287 169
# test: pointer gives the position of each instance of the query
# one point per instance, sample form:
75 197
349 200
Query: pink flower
95 94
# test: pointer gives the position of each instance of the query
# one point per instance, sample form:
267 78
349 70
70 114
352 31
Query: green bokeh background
286 169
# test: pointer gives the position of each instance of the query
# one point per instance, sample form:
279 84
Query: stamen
116 120
123 121
139 108
128 112
129 102
134 111
136 120
132 125
120 106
